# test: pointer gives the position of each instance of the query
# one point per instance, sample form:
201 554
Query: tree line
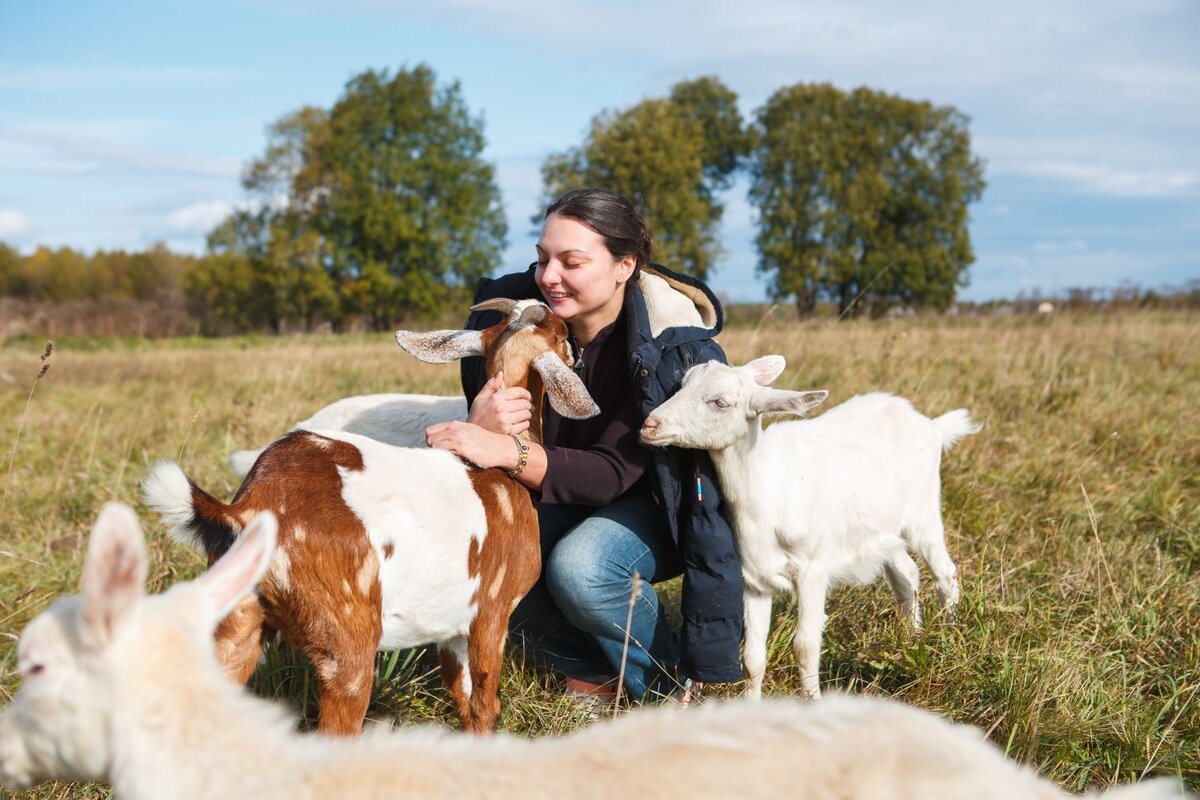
383 207
61 274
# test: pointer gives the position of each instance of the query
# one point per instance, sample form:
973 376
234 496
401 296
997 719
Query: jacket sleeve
711 598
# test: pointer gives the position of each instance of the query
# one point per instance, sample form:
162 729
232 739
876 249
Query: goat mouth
655 438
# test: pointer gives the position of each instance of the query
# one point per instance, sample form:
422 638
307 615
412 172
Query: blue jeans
575 616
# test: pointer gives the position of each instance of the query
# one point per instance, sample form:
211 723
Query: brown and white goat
382 547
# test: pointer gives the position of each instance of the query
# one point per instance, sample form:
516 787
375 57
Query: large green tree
413 208
862 198
382 206
671 156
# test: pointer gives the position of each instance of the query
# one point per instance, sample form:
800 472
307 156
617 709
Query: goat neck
738 469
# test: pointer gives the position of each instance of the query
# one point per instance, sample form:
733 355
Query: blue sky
125 123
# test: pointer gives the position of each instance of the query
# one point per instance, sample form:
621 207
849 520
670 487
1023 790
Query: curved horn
532 315
501 304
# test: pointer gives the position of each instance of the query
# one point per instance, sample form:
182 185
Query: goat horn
532 315
501 304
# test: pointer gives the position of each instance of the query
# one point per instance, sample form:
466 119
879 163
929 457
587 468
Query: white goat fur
816 503
125 688
398 419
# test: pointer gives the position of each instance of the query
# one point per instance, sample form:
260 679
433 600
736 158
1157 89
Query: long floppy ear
441 347
783 401
566 392
237 572
765 369
114 571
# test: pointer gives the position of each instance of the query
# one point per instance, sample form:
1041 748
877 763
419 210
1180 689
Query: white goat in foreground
125 688
816 503
396 419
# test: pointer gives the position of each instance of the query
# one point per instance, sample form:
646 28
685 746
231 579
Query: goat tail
954 425
193 516
1158 789
241 461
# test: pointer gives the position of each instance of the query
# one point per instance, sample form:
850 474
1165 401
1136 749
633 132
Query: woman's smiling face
578 276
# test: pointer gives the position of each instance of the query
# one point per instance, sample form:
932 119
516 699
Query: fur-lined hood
678 301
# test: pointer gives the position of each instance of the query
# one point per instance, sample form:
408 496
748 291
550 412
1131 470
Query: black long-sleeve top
594 461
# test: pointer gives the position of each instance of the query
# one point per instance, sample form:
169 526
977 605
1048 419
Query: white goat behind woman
816 503
121 687
396 419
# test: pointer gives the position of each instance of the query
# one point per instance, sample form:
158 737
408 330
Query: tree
293 171
221 287
862 198
382 206
12 279
670 157
413 209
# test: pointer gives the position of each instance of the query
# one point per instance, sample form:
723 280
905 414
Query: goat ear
782 401
237 572
765 369
567 393
441 347
114 571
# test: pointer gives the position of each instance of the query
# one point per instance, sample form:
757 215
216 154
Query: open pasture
1074 516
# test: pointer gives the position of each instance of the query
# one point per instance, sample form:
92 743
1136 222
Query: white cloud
68 146
54 77
1114 181
1051 77
1059 246
14 223
1053 272
198 218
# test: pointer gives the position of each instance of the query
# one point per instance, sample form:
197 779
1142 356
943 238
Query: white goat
397 419
816 503
125 688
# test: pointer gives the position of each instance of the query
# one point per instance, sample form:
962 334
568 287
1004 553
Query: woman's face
578 276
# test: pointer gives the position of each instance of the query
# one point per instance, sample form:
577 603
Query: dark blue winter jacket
671 320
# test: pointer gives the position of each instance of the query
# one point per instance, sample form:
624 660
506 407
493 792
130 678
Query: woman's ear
625 267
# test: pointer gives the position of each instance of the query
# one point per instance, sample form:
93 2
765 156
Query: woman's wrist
521 456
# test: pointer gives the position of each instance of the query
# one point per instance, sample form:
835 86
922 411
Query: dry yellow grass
1074 516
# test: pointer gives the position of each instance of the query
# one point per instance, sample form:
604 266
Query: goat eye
35 669
719 403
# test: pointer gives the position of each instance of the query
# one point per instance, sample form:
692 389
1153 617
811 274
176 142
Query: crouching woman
608 507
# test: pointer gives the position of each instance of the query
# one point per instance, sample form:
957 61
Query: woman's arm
592 476
485 448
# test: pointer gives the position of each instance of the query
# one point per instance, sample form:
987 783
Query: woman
607 506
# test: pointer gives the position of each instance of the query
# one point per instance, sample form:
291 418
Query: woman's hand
481 447
499 409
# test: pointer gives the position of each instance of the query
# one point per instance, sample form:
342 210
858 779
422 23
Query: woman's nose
550 274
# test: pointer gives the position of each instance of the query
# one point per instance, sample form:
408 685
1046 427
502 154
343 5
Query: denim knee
585 582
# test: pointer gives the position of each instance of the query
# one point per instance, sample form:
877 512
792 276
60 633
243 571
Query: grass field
1074 516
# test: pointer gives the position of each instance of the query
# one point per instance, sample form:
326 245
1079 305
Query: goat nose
650 427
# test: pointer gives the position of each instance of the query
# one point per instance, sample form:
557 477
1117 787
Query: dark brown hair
609 214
